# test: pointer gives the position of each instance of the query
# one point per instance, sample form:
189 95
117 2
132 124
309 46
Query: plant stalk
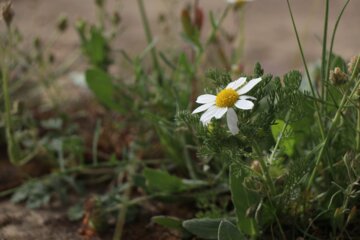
149 38
333 39
126 202
8 120
319 120
323 57
265 170
343 102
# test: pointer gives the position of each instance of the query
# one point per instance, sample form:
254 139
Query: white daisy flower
224 102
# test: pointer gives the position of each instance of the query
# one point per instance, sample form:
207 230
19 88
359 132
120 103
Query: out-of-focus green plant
25 72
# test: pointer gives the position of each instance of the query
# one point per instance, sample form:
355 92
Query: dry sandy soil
269 40
269 36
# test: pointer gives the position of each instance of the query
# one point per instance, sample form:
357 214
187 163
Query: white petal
245 97
208 115
220 112
206 98
232 121
244 104
236 84
202 108
252 83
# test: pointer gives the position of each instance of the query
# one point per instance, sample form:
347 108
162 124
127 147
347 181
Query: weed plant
286 168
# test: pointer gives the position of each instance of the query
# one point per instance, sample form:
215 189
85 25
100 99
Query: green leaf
101 85
204 228
287 142
168 222
243 199
96 47
161 181
76 212
228 231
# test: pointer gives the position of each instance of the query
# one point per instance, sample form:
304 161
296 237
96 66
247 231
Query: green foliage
161 181
100 83
94 45
76 212
203 228
37 193
228 231
168 222
287 142
244 199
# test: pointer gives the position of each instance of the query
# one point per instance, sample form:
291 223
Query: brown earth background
269 35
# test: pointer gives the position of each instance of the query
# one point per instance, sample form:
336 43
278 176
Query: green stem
319 121
126 202
11 144
217 26
8 121
265 170
240 44
343 102
149 38
323 57
188 160
95 142
122 216
333 39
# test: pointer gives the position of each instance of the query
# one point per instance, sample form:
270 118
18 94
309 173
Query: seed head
116 19
7 13
100 3
352 214
62 23
255 166
338 77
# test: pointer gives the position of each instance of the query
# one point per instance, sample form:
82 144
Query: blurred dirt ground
269 39
269 35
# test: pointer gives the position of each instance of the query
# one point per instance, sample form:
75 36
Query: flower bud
338 77
38 43
99 3
7 13
352 214
251 211
256 166
199 18
116 19
62 23
186 22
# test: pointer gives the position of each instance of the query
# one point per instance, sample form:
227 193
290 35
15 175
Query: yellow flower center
227 98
